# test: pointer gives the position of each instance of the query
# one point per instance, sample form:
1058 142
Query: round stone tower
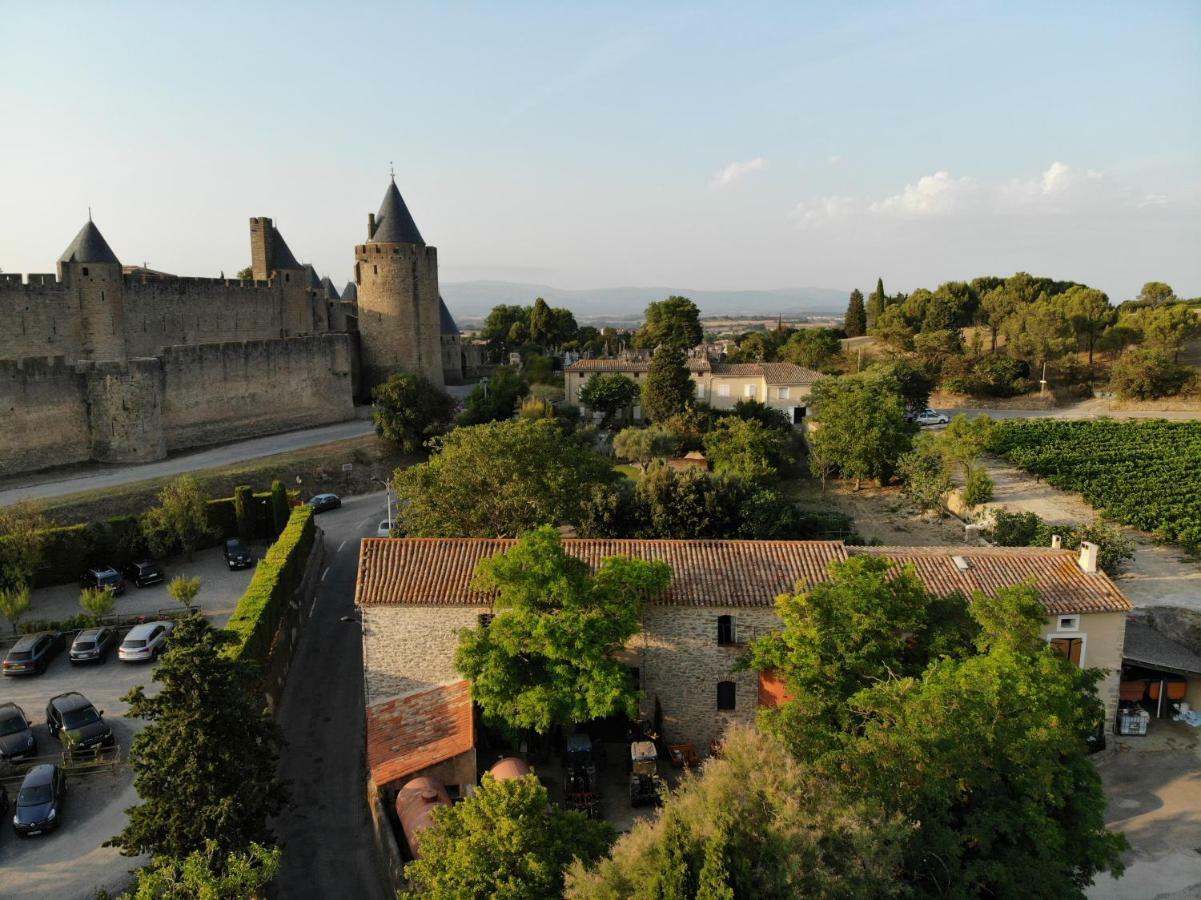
90 269
396 279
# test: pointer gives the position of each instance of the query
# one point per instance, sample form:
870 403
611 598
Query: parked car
236 555
73 719
322 502
16 733
931 417
385 529
145 572
103 577
92 645
32 653
40 800
144 642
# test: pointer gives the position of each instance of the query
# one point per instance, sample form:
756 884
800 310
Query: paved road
1087 409
50 485
326 836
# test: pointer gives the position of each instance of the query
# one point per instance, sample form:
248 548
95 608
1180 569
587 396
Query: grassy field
319 469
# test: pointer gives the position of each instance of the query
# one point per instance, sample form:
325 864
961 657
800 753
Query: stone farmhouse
414 596
101 361
780 385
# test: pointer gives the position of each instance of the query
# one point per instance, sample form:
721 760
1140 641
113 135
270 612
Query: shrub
1146 375
258 613
242 512
1027 529
979 488
991 375
279 507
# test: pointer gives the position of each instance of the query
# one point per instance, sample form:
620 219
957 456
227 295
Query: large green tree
811 347
498 480
209 874
668 388
754 825
494 399
1037 333
205 764
748 449
609 393
876 303
855 321
641 445
410 409
675 321
23 528
861 430
925 476
504 842
1156 293
180 521
1088 313
547 657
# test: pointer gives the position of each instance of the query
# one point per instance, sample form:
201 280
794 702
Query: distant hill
472 300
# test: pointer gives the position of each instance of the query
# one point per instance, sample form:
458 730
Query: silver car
144 642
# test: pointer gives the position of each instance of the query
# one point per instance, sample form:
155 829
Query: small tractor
645 783
580 786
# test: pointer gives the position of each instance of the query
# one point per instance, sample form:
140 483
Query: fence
80 764
120 623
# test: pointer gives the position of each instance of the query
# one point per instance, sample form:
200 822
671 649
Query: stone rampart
44 411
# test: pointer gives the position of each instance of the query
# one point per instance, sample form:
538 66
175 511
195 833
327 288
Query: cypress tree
875 304
856 320
668 389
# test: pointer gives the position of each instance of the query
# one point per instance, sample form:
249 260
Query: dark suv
236 555
72 718
16 734
40 800
103 577
32 653
145 572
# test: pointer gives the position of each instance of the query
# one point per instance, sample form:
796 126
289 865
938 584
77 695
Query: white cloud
932 195
824 209
735 171
1060 187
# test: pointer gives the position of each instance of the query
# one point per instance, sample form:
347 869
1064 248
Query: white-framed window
782 393
1067 623
723 390
749 390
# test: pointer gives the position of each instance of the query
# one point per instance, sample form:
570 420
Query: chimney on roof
1088 557
1056 542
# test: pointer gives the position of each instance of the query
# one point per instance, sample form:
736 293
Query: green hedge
278 575
71 549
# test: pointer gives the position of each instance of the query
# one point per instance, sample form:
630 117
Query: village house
780 385
414 595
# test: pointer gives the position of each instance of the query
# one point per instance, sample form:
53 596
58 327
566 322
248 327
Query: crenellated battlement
32 282
186 282
36 367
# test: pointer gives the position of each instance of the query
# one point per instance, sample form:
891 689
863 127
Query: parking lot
70 862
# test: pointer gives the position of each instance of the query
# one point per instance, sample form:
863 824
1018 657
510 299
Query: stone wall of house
411 648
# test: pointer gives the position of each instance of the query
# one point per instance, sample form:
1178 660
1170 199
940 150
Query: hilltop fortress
121 364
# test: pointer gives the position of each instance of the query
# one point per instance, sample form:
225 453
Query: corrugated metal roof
438 571
1150 648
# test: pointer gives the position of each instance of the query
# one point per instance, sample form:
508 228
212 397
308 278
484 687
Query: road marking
326 572
340 546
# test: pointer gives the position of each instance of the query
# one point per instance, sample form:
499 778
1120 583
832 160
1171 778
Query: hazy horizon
597 148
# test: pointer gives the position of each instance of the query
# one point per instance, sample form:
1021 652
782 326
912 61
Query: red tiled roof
1062 585
772 373
629 365
438 571
414 732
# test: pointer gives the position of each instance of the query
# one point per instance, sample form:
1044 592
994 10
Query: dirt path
882 515
1159 575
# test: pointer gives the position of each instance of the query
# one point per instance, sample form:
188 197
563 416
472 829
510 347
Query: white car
144 642
385 529
931 417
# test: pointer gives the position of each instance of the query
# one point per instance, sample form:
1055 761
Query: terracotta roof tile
772 373
1061 583
630 365
438 571
411 733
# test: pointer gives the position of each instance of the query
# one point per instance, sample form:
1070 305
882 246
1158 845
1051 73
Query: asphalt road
50 485
326 831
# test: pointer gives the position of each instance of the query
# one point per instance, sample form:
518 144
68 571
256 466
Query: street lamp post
387 493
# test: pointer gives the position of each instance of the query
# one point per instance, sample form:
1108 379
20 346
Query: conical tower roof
393 223
331 292
281 255
446 322
350 292
89 246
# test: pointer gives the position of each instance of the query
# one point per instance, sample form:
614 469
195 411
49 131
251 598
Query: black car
322 502
32 653
236 554
145 572
40 800
103 577
92 645
77 724
16 734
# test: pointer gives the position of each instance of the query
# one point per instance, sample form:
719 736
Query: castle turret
272 260
396 281
90 269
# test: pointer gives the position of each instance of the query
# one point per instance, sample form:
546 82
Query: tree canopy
746 448
641 445
495 399
205 764
22 541
209 874
609 393
180 521
498 480
675 321
410 409
506 841
547 656
668 388
855 322
861 430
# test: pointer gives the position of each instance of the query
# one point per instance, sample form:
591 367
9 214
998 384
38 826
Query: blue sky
590 145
